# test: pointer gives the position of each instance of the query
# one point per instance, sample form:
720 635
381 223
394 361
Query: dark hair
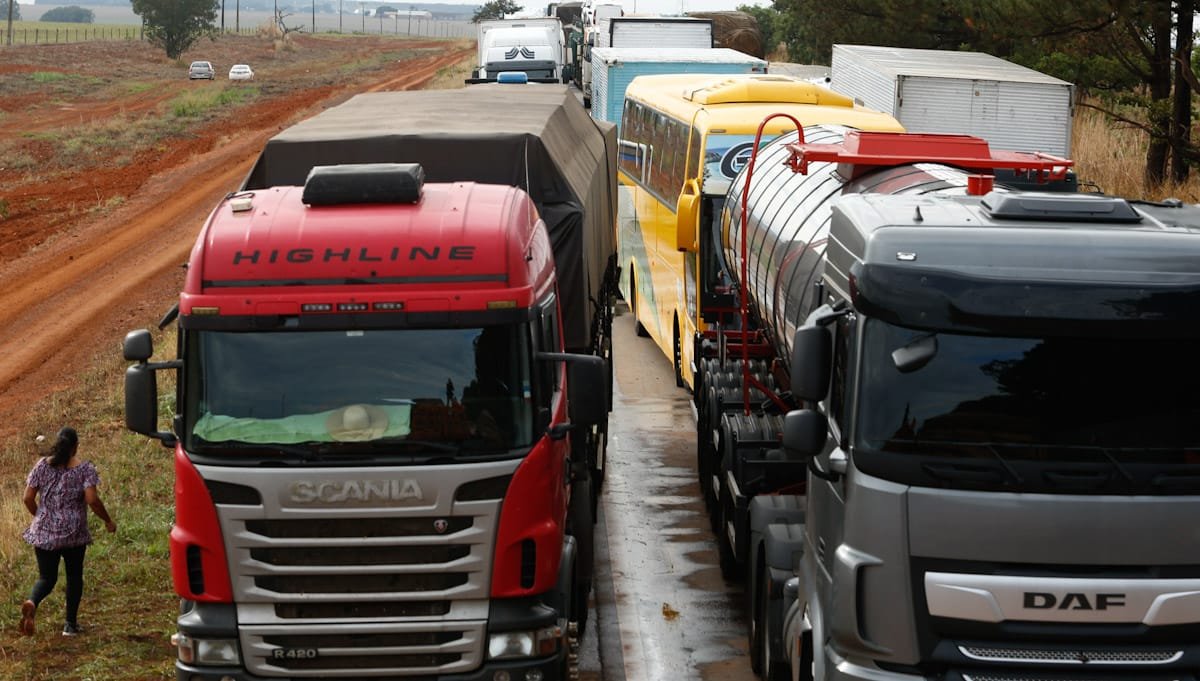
64 447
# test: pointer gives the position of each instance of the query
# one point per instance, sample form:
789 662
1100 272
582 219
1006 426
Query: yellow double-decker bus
683 138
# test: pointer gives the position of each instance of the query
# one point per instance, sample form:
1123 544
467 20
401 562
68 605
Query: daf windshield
1092 413
444 392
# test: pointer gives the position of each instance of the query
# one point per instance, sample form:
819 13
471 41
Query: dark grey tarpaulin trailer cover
537 137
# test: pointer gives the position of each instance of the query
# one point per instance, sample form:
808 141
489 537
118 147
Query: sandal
28 609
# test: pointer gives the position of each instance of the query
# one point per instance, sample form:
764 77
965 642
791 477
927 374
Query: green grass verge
197 103
128 605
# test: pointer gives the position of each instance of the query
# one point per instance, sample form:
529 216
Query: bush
70 15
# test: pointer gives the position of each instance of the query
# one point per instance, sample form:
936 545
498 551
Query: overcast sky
661 6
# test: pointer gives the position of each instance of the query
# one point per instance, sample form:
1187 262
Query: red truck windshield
460 390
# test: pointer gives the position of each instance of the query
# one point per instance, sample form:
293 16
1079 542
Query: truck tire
583 529
730 569
637 325
677 357
756 597
772 669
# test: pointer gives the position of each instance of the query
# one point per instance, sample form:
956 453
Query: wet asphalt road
662 610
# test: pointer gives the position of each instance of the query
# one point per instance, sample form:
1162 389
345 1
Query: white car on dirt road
241 72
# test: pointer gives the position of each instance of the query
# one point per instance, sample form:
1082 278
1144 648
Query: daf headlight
513 644
208 651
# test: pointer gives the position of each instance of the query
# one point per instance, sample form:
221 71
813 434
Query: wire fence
349 25
48 36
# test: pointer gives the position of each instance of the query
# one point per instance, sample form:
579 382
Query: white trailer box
654 32
1010 106
613 68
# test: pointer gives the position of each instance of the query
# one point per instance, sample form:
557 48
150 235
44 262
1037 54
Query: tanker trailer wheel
633 297
703 439
730 569
722 515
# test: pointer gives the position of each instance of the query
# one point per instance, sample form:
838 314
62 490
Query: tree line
1132 59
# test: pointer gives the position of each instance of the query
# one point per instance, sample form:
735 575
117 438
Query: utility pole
410 11
10 13
314 23
339 16
222 16
237 16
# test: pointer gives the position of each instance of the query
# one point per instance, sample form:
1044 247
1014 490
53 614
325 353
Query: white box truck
645 32
654 32
613 68
1010 106
533 46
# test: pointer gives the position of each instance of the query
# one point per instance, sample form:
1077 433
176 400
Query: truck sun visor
1059 206
364 183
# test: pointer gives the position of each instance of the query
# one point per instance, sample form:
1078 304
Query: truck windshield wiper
390 442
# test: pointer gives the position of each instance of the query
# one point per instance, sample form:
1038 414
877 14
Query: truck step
783 545
769 509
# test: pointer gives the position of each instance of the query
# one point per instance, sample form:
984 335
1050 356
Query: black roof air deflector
1059 207
364 183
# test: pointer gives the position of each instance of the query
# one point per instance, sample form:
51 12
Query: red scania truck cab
372 435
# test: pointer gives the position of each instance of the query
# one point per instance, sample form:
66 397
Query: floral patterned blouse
61 520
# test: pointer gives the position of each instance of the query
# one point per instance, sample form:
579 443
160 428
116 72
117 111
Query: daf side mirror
138 346
812 362
805 432
687 217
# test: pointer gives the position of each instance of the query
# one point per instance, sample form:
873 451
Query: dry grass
452 76
1112 156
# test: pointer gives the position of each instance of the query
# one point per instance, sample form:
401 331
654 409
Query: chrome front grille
1003 677
1077 656
394 590
391 650
360 583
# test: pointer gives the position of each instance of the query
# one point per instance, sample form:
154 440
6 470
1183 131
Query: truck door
827 492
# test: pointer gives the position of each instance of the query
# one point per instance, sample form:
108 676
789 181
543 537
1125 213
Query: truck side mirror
589 401
138 346
141 399
687 217
587 391
812 362
805 432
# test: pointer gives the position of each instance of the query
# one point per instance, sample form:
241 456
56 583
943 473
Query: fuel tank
788 218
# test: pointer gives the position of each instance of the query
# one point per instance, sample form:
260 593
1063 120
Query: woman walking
66 485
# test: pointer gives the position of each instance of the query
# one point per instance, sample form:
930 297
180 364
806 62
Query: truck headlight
210 651
536 643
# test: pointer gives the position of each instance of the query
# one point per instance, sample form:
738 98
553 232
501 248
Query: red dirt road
73 280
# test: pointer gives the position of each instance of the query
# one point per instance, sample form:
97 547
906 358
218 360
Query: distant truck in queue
952 432
533 46
393 381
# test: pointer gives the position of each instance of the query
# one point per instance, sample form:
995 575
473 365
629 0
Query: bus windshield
1124 401
415 390
724 158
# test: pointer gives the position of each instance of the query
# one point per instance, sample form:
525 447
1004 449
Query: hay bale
735 30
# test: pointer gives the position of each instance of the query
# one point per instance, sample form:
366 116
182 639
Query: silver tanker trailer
962 441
